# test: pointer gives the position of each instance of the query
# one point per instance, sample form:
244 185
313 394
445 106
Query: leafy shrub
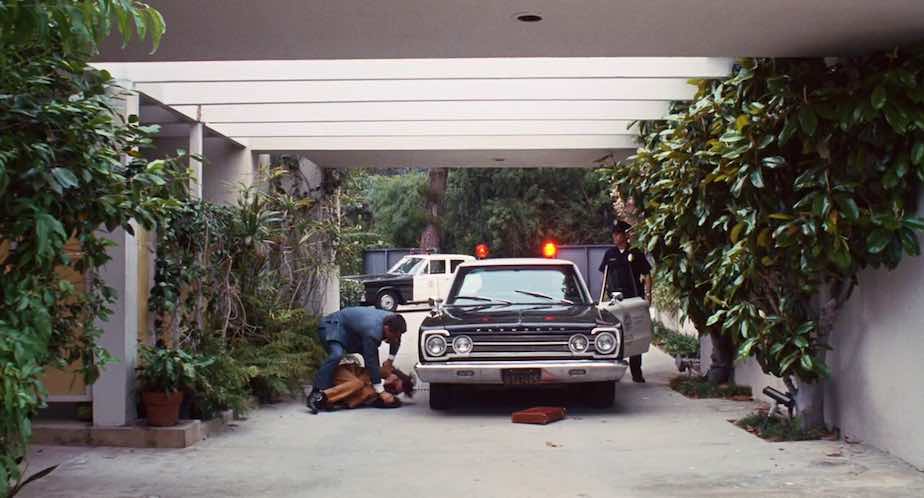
699 387
778 428
169 370
672 342
222 385
351 293
284 355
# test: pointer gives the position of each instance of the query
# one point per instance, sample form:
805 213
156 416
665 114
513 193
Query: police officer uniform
624 272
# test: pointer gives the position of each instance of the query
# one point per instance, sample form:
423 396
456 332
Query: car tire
387 300
440 396
601 394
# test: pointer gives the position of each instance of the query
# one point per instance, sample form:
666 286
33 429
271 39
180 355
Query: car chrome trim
552 372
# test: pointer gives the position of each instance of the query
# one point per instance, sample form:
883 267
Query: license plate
520 376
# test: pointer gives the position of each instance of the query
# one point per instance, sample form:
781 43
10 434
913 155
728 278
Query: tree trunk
723 357
431 237
810 405
810 396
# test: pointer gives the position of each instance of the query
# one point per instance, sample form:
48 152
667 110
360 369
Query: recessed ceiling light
528 17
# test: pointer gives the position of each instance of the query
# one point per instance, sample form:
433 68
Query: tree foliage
515 210
766 195
397 206
63 175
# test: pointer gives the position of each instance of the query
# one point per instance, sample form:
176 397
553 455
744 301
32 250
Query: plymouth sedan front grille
533 342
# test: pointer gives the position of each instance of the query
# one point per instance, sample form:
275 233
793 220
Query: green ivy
765 196
68 167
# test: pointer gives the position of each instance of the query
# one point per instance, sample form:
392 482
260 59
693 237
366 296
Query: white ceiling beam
426 128
409 90
480 142
435 111
383 69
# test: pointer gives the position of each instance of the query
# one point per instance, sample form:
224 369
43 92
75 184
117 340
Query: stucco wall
875 394
228 168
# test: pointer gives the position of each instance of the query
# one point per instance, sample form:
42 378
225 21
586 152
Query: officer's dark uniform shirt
625 270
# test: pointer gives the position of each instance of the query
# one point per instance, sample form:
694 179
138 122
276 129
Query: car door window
455 264
437 266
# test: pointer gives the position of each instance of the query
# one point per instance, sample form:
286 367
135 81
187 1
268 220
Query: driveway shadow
503 402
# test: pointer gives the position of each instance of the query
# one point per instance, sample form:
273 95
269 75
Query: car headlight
605 343
462 344
436 345
578 343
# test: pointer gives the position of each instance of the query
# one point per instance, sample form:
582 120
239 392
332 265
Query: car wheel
601 394
440 396
387 301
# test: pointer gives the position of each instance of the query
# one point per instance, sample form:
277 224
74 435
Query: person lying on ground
353 388
355 330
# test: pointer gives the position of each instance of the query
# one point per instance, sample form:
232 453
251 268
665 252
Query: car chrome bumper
552 372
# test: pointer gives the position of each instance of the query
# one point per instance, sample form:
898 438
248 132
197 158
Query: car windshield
408 265
517 285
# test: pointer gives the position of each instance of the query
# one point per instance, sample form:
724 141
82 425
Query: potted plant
164 375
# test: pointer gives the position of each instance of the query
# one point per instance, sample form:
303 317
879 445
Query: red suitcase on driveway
539 415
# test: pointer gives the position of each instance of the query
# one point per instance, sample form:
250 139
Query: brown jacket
352 387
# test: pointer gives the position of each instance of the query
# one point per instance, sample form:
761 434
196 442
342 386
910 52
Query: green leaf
157 27
736 232
789 129
878 240
807 362
65 178
714 319
808 120
878 99
774 162
849 208
914 222
49 234
806 179
840 255
917 154
910 241
757 178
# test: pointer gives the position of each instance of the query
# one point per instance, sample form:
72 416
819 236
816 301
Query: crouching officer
628 272
356 330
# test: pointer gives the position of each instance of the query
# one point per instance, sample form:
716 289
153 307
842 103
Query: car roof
517 261
463 256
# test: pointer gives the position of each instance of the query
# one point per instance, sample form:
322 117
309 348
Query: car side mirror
615 297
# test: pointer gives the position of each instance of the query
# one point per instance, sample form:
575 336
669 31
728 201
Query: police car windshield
518 285
408 265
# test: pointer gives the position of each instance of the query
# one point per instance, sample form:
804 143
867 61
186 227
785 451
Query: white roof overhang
423 112
463 82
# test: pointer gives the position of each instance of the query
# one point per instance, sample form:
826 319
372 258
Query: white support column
114 391
196 148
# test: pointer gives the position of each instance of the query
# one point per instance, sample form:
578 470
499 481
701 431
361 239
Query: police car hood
517 314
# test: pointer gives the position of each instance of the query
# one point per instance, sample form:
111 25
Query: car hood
550 314
390 277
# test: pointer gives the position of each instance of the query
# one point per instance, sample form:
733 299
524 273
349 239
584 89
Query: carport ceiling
426 112
463 82
376 29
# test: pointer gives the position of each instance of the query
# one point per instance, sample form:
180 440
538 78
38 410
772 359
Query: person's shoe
638 380
316 402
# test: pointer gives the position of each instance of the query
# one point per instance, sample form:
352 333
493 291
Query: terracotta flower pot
162 409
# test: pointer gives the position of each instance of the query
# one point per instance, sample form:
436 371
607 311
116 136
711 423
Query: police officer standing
628 272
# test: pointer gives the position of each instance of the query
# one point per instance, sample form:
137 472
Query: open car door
633 315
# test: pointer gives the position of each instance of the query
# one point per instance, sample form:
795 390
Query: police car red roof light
481 251
549 250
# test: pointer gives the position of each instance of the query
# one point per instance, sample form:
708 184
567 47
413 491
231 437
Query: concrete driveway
653 442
